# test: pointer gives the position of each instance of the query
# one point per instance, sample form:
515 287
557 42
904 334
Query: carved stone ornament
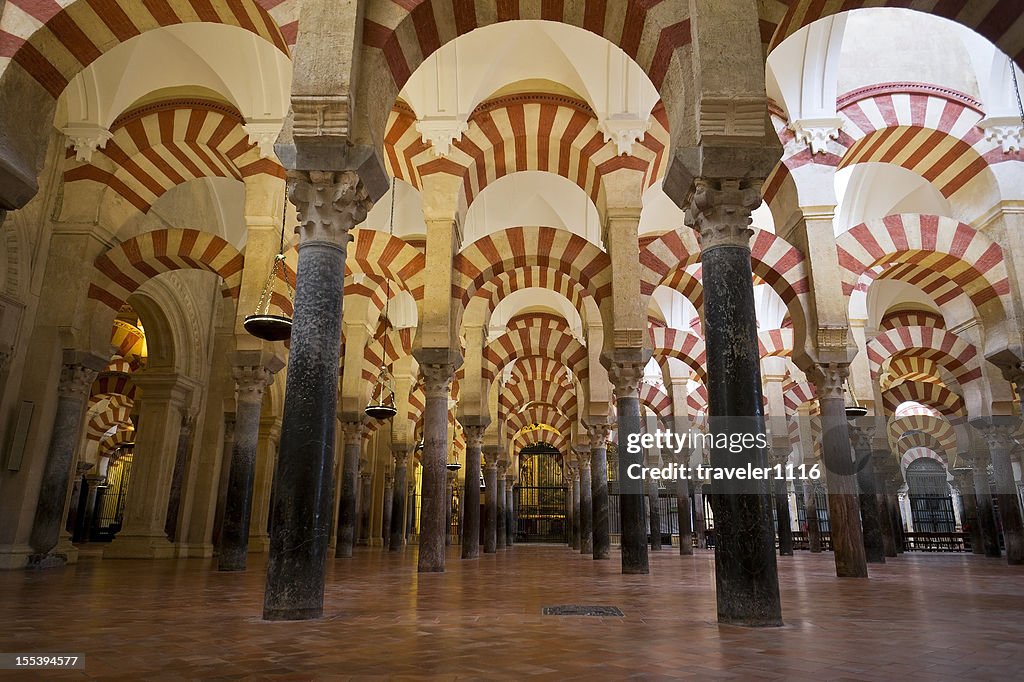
437 379
76 381
320 115
441 133
85 138
816 132
720 211
251 382
832 382
625 377
329 204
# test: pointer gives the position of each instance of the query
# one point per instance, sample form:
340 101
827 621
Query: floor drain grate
580 610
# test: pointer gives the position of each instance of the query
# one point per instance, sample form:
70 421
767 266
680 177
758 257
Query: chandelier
262 324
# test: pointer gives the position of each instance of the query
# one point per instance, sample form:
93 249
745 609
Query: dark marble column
329 206
654 521
347 508
250 383
874 543
178 477
449 508
844 511
599 490
510 513
574 505
625 374
491 503
986 511
880 461
385 517
963 480
998 434
502 521
811 514
365 506
76 377
586 503
746 576
437 380
683 511
222 488
410 507
471 494
780 456
398 501
700 523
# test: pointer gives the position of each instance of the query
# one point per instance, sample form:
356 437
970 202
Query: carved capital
353 432
401 458
76 381
625 377
831 380
263 134
997 435
437 378
779 455
624 131
474 435
599 434
329 204
1006 131
816 132
441 132
85 138
720 211
365 476
251 381
860 437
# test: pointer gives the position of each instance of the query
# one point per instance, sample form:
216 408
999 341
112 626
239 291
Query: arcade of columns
233 436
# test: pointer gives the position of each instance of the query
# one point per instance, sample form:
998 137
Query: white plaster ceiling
867 191
534 299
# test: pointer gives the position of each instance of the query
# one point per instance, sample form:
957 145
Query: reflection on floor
920 616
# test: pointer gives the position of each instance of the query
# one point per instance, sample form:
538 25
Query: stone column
178 476
227 447
502 520
76 377
574 507
329 206
471 494
701 527
449 510
684 518
398 501
586 504
385 522
410 508
491 503
986 511
437 380
780 457
654 525
963 479
599 489
366 504
840 473
746 576
250 383
811 512
998 434
880 461
625 376
510 512
347 510
874 544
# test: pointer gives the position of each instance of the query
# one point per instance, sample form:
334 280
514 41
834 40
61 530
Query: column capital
625 376
997 432
474 435
583 459
437 378
720 208
365 476
830 379
599 434
780 455
76 381
329 203
250 381
401 458
860 437
353 432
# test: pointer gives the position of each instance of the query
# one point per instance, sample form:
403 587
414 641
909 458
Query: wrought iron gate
541 514
110 499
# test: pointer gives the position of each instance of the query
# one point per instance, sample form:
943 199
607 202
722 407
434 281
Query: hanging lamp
262 324
454 465
382 400
853 408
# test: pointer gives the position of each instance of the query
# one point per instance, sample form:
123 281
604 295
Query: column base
14 557
201 550
259 544
140 547
376 542
65 548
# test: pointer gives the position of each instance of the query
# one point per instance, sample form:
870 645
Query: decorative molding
831 338
816 132
437 378
263 134
251 381
1006 131
625 132
85 138
441 133
625 377
900 88
320 115
532 98
170 105
329 204
731 117
832 380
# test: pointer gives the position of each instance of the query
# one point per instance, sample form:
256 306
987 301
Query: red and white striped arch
908 368
121 270
948 258
775 343
681 345
53 40
537 368
516 394
531 437
912 318
945 348
543 341
125 434
797 393
157 147
116 410
109 384
538 413
936 396
656 399
922 430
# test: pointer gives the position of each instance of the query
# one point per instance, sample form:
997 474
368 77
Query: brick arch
945 348
911 318
993 19
159 146
121 270
539 413
525 439
115 412
775 343
543 341
515 394
545 247
538 368
936 396
529 276
797 393
921 430
115 440
961 260
908 368
656 399
681 345
64 37
109 384
387 349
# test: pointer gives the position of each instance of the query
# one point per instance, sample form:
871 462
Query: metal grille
110 499
581 610
541 514
931 507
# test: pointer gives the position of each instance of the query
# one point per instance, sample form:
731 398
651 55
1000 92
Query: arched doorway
931 506
541 496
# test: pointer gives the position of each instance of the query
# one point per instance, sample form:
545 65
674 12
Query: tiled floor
936 617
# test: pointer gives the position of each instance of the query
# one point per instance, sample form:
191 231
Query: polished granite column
625 375
347 510
844 511
510 514
986 510
76 377
385 515
365 505
329 206
811 514
574 506
683 505
502 520
998 433
437 380
963 479
398 501
654 515
599 490
879 461
491 503
250 383
780 457
874 543
746 577
227 446
471 495
586 503
178 477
